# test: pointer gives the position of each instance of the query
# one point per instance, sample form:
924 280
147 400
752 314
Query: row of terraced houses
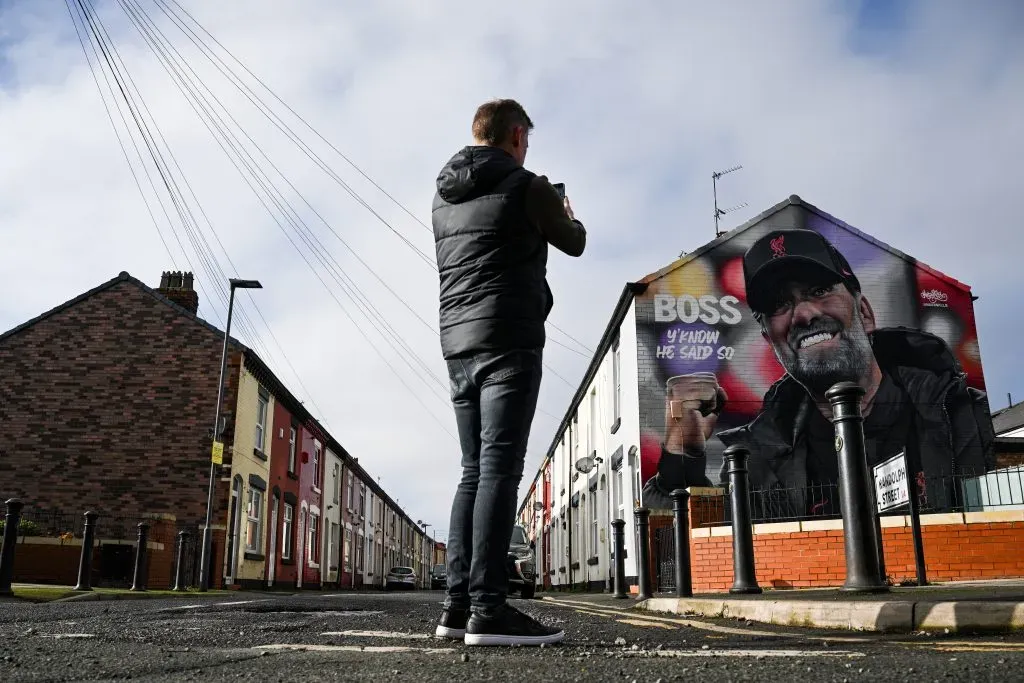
107 403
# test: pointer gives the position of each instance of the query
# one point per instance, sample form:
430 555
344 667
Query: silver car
522 564
400 577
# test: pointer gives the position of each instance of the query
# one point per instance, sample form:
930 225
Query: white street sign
891 489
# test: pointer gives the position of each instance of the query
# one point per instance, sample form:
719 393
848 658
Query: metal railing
960 492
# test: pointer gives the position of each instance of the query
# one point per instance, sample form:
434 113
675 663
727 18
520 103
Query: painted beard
818 370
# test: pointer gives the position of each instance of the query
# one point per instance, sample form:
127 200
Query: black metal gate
665 559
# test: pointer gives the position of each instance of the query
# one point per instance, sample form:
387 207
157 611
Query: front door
272 569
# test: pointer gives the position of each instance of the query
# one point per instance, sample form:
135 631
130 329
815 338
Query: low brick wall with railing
49 549
810 554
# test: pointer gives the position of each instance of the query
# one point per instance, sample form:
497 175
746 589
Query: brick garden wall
957 547
40 559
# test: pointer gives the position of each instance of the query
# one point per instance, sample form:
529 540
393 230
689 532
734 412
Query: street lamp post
204 564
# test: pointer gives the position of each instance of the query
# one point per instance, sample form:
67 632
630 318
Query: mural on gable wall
712 375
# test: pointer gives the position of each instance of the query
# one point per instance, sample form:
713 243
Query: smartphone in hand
560 189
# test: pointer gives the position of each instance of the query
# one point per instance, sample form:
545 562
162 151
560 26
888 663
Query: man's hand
568 208
687 427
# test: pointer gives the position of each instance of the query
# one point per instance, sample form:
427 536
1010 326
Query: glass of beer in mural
695 391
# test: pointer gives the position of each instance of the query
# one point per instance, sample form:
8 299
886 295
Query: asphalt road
388 637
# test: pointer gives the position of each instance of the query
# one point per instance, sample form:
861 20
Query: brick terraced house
106 403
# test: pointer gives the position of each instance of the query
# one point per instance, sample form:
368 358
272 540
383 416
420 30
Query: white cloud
913 137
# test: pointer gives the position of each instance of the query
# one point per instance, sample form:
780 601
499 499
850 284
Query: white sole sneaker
453 633
496 639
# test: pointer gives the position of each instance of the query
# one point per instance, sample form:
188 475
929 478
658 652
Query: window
316 465
286 529
291 451
593 524
362 501
349 504
592 426
616 383
337 483
254 521
348 547
312 550
262 403
617 492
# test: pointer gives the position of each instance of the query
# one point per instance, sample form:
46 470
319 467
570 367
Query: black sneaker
452 623
509 626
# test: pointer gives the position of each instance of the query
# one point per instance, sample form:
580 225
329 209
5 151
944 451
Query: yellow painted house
249 472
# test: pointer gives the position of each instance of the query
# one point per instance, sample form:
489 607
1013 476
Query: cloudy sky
901 118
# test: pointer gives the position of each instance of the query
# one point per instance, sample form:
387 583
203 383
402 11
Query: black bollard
681 515
643 516
85 563
139 580
619 536
863 573
11 523
179 570
743 572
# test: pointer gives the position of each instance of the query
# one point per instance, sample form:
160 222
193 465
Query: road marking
615 611
356 648
757 654
378 634
171 609
67 635
962 643
649 624
238 602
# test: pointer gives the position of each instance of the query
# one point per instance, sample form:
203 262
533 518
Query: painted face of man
819 331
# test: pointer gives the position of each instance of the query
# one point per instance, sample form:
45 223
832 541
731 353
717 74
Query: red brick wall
953 552
107 405
57 564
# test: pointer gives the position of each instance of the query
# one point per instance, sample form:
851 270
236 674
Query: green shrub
26 527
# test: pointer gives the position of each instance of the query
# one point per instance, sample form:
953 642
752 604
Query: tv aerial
714 186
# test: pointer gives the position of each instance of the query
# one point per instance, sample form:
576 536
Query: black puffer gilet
491 261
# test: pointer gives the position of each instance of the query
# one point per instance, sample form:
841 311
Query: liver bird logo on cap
778 246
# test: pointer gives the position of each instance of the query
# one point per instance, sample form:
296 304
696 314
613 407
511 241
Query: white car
400 577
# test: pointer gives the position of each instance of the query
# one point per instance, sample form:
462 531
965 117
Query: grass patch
51 593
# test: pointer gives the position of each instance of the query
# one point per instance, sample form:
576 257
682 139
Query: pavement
961 607
388 637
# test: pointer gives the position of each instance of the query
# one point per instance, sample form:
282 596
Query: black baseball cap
784 254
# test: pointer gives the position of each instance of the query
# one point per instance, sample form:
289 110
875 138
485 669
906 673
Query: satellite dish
538 506
584 465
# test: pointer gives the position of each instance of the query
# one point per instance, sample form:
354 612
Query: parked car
438 577
522 564
400 577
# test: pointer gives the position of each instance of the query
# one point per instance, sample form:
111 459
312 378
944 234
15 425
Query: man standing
822 329
493 221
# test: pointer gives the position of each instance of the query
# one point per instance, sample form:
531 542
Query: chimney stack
177 287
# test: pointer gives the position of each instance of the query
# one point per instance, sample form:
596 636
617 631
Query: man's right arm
546 211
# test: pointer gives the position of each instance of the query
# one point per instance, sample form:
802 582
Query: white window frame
617 382
317 453
293 438
254 521
593 524
347 551
349 484
313 538
262 410
287 531
337 484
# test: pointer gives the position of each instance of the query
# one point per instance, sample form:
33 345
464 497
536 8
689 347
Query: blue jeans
495 396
